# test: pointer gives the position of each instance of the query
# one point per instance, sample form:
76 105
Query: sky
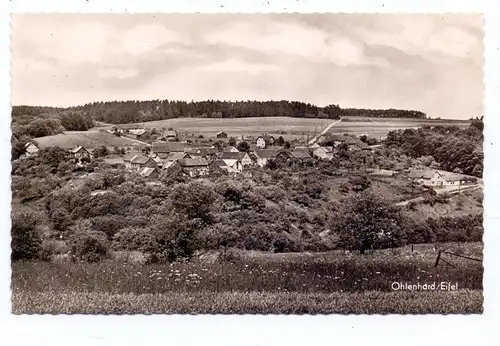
427 62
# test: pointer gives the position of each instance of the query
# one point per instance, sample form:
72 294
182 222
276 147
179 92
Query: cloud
236 65
427 62
121 73
293 39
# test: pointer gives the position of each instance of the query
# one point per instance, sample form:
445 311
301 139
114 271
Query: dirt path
326 129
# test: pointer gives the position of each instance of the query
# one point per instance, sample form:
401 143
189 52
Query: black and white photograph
238 163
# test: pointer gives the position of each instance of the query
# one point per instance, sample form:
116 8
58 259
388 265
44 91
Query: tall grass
314 274
460 302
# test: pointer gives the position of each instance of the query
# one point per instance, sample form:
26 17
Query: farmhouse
170 135
31 149
221 134
264 141
142 133
230 148
323 153
137 131
193 167
162 150
207 153
220 166
149 172
128 158
242 157
80 153
437 178
140 161
263 155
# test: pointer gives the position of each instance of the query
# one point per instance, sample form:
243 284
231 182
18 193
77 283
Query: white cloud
121 73
288 38
144 38
236 65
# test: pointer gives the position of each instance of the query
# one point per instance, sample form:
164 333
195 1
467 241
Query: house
193 167
323 153
230 148
150 172
128 158
262 156
140 134
207 153
139 161
242 157
170 135
80 153
126 128
335 140
437 178
221 134
30 149
296 155
163 149
264 141
137 131
220 166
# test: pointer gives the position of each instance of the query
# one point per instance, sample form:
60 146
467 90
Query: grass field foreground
371 302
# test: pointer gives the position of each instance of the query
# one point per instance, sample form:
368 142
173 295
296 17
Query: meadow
89 139
253 282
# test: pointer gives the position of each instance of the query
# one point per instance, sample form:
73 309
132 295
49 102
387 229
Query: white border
262 330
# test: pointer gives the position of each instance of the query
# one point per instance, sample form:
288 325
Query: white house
31 149
264 141
323 153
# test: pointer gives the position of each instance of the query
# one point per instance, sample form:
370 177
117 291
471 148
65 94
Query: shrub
135 239
26 240
88 245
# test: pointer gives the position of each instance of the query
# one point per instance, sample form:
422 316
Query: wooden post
437 259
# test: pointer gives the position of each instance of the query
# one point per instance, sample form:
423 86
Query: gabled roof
266 153
147 171
193 162
300 154
325 149
230 148
336 138
219 163
174 156
167 147
141 132
192 150
30 144
421 174
140 159
130 156
77 149
362 145
232 156
208 151
221 132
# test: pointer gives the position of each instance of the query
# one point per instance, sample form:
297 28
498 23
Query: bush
135 239
26 241
88 245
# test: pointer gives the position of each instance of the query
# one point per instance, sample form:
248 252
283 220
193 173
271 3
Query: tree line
121 112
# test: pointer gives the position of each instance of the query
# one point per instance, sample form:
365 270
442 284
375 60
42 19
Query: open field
254 282
458 302
298 128
89 139
378 128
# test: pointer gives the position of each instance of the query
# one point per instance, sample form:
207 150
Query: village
159 151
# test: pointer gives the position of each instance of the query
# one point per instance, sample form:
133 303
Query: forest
456 150
121 112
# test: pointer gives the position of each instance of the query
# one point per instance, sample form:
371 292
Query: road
452 190
325 130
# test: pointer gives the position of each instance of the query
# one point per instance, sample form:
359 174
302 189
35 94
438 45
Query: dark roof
208 151
229 148
193 162
362 145
219 163
174 156
266 153
337 138
425 174
227 155
300 154
167 147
